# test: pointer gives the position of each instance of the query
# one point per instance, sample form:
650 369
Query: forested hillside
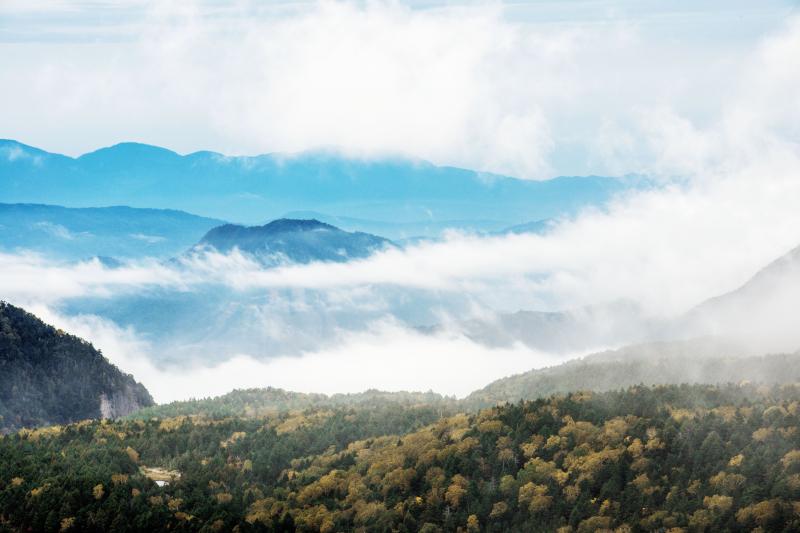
710 361
50 377
700 458
250 403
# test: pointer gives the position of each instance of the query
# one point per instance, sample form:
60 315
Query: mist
724 207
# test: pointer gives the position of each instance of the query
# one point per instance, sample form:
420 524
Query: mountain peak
293 240
124 151
297 224
275 227
14 151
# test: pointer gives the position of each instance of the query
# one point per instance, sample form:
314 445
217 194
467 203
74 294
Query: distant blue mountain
105 232
254 189
295 241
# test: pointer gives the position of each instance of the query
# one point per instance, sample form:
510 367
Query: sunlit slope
691 457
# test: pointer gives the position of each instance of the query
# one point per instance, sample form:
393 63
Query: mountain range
254 189
122 232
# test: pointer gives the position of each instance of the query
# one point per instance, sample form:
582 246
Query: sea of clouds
465 85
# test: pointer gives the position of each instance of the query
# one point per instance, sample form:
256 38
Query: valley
399 266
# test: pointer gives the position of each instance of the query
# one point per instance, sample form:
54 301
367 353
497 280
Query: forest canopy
699 457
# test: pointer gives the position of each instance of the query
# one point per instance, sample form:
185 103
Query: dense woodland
699 458
51 377
269 401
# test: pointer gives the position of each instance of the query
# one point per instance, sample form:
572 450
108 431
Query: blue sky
531 89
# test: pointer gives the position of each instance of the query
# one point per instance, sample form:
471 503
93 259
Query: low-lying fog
435 315
440 315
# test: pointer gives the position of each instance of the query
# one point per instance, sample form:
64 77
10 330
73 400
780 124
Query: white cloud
481 85
149 239
31 278
387 357
457 85
57 230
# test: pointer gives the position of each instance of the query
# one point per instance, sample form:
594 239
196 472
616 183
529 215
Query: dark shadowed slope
50 377
296 241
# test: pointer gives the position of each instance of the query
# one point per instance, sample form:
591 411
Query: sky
529 89
702 97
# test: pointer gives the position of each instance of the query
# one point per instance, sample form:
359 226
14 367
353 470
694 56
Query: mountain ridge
120 231
250 189
760 312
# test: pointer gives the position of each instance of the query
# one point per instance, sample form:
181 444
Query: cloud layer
462 85
531 91
387 357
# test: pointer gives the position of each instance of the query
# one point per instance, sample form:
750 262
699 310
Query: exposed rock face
123 402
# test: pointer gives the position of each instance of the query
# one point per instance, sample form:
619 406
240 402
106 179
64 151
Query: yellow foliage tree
456 491
498 510
132 454
761 513
718 503
67 523
534 497
727 482
791 459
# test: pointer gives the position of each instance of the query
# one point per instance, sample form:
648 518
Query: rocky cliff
50 377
